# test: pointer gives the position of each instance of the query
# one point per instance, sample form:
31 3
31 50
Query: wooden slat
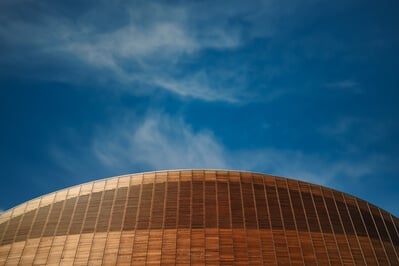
198 217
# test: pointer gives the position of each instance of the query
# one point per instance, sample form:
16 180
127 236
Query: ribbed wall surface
198 217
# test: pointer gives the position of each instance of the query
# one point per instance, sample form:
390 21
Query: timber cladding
198 217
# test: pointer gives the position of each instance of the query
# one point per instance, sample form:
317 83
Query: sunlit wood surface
199 217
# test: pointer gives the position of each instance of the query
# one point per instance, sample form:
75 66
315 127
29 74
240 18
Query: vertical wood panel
360 229
308 252
116 222
211 217
197 249
337 228
111 248
169 247
294 248
158 206
31 252
3 228
39 253
184 214
240 245
224 220
170 220
263 214
393 235
212 246
62 224
140 247
325 225
171 206
78 215
279 237
226 246
197 208
237 216
90 221
183 240
154 250
313 223
372 233
384 237
198 217
12 228
97 250
118 209
129 217
347 224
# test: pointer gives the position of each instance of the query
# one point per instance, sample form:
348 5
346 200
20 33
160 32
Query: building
198 217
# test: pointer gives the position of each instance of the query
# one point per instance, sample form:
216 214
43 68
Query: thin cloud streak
139 51
142 47
159 141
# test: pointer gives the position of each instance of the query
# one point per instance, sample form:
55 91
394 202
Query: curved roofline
190 169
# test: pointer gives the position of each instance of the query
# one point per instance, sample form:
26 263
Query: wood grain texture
198 217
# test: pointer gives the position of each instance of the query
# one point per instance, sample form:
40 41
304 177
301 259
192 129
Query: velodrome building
198 217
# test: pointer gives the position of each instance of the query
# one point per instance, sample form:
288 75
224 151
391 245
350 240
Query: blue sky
304 89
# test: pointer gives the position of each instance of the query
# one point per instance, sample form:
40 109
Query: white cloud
151 43
132 42
158 142
200 85
148 54
144 48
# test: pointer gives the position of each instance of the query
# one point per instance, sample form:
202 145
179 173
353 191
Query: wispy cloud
160 141
154 142
145 46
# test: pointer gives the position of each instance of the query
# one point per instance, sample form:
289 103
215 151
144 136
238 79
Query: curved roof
243 216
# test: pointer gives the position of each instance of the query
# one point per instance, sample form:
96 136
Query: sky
304 89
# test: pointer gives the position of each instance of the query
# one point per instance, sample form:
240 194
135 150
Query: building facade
203 217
